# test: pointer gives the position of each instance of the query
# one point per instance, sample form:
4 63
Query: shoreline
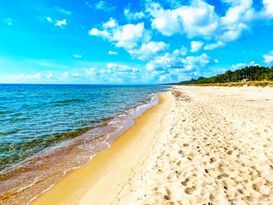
25 183
78 184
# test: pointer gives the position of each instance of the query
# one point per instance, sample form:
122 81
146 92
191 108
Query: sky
131 42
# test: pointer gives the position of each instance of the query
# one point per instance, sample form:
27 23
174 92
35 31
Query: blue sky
131 42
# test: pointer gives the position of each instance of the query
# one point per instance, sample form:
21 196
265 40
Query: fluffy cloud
28 77
161 62
112 53
242 65
196 46
174 67
78 56
177 61
268 58
239 11
165 21
63 11
212 46
148 50
235 21
133 16
109 73
120 68
195 62
49 19
126 36
134 38
101 5
61 23
58 23
268 8
197 19
8 21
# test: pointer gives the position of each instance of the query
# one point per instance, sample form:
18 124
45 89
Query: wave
9 133
65 102
3 112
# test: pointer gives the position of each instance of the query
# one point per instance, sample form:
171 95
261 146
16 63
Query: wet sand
200 145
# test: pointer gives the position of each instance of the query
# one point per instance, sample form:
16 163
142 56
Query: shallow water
48 130
36 117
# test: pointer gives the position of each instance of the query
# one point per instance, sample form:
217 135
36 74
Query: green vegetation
250 75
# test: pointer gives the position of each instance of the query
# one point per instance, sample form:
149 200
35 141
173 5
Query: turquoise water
35 117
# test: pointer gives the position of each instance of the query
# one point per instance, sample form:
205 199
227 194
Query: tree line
249 73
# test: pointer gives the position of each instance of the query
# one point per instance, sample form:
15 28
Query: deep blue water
33 117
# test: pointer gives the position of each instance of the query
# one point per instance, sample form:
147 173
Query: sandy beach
200 145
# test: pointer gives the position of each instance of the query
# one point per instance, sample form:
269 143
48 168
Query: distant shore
200 145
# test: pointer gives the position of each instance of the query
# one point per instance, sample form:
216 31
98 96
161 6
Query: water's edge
77 152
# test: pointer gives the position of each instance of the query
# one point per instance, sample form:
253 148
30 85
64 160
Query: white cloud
8 21
165 21
120 68
195 62
101 5
50 76
236 19
112 53
239 11
28 77
268 58
180 52
268 7
212 46
126 36
175 61
167 60
172 67
242 65
91 72
64 11
77 56
196 46
197 19
133 16
149 50
58 23
99 33
61 23
112 23
267 10
49 19
161 62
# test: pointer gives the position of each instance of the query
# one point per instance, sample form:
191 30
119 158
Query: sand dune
201 145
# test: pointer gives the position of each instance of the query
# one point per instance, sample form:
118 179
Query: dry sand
200 145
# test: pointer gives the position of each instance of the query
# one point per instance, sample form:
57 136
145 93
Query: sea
48 130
